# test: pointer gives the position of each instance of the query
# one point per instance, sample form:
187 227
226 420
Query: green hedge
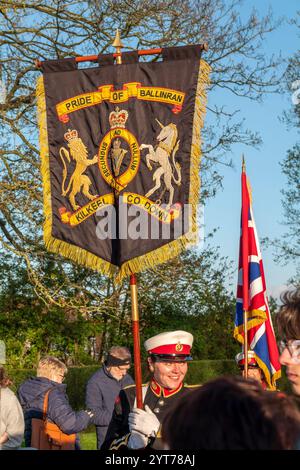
199 372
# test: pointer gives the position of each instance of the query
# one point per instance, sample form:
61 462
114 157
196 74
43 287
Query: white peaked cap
240 356
170 342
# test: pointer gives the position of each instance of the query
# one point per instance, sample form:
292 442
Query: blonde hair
49 365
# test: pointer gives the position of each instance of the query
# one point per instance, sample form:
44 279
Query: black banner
120 150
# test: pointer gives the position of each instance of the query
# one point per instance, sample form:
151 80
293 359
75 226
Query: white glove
143 421
137 441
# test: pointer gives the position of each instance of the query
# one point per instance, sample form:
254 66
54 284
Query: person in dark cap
254 371
105 385
134 428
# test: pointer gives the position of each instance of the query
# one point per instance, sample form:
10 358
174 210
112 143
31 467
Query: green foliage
76 380
189 293
185 293
30 330
200 372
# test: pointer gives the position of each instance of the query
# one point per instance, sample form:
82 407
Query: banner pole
133 289
136 341
245 315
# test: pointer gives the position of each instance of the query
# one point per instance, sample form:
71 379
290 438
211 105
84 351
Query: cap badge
179 347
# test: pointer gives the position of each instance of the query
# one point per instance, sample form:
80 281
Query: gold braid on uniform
117 443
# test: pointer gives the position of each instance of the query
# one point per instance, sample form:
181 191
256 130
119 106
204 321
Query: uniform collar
158 390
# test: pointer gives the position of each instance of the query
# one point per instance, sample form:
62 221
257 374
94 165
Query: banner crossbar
93 58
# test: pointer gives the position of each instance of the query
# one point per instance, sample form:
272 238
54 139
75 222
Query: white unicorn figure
166 148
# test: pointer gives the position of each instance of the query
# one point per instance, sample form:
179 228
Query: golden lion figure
78 181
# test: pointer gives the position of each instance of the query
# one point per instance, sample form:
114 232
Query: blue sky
262 165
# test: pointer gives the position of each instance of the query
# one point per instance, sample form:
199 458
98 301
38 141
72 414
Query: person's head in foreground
254 371
168 356
288 323
232 413
118 361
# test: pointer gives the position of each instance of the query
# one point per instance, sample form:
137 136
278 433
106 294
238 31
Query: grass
88 440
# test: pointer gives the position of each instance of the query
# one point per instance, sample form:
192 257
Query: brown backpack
48 436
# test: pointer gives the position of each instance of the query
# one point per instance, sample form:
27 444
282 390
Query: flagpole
136 341
245 316
133 289
245 267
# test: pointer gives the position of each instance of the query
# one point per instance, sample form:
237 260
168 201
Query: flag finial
243 163
118 45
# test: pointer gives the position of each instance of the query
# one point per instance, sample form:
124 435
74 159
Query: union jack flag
252 297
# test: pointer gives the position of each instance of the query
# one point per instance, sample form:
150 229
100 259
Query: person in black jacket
104 387
31 393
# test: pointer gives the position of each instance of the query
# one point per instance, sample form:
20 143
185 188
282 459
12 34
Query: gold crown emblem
71 134
118 118
178 347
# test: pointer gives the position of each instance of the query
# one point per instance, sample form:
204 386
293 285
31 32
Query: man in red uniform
133 428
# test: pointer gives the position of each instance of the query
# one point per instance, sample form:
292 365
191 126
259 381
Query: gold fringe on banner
76 254
148 260
271 381
174 248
